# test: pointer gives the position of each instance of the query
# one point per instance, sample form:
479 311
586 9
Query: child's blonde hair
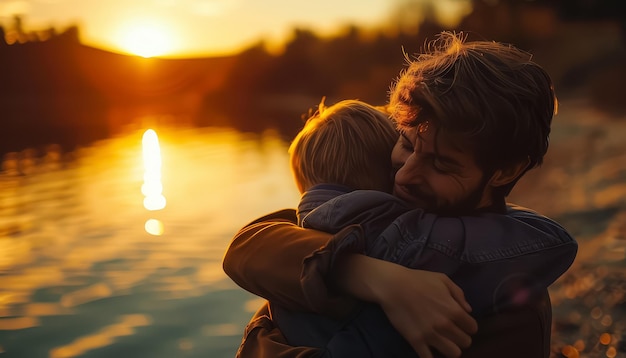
348 143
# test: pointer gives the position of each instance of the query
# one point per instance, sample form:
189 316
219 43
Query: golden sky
194 27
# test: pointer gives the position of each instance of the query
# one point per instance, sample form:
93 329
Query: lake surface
87 271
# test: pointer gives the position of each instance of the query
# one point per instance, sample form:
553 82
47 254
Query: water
81 276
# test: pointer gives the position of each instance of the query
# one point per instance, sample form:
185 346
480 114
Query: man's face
436 171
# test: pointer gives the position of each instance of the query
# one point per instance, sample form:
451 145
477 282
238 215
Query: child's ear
504 176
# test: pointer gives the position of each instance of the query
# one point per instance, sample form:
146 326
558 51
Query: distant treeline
576 40
58 91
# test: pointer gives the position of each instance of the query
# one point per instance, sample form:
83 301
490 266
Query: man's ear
504 176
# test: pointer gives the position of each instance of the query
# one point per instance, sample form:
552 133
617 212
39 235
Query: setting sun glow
146 39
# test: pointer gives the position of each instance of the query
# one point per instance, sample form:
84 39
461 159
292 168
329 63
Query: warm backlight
146 39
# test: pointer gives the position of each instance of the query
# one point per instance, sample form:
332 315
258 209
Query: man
473 117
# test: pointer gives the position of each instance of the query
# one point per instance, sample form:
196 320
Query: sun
146 38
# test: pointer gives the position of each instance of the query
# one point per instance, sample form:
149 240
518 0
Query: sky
193 28
189 26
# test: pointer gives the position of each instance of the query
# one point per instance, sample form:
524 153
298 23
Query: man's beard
467 205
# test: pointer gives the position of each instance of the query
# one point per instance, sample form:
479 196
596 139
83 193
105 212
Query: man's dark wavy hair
491 93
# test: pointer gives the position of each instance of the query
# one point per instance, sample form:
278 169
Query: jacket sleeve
274 258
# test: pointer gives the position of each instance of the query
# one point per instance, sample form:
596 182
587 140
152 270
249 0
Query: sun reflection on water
154 227
79 253
152 187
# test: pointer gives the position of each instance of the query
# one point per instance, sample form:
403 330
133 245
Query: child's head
348 143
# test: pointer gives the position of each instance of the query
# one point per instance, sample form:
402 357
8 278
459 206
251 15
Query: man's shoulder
519 231
532 217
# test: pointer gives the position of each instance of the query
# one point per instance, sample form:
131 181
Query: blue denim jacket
500 261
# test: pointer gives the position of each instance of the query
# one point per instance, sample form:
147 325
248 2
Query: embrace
403 243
